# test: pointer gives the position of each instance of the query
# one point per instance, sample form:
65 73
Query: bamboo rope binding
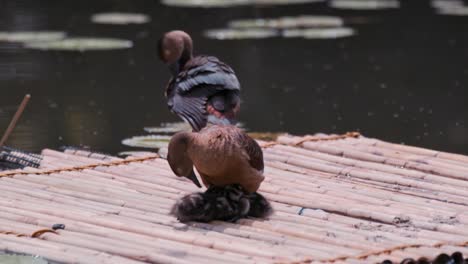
35 234
310 138
79 168
387 251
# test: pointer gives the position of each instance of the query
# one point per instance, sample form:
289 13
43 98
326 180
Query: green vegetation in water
305 26
319 33
81 44
241 33
305 21
364 4
149 141
450 7
32 36
120 18
21 259
232 3
169 128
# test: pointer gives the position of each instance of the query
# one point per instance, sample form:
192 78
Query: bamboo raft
340 199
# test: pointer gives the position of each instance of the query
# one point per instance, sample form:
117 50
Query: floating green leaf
241 33
455 11
31 36
169 128
150 141
81 44
288 22
120 18
231 3
365 4
319 33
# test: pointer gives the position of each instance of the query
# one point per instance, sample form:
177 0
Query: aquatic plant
319 33
232 3
81 44
251 33
364 4
118 18
288 22
31 36
149 141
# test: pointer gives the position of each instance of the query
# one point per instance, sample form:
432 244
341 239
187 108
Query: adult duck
202 89
223 155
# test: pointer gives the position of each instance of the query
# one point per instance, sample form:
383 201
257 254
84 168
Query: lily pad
443 4
458 11
319 33
120 18
169 128
205 3
31 36
81 44
365 4
288 22
231 3
259 33
284 2
150 141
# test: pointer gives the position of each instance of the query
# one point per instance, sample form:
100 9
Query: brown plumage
223 155
202 88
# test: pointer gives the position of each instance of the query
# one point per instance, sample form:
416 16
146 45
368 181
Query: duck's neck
178 66
187 53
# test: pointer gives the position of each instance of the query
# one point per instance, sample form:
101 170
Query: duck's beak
194 179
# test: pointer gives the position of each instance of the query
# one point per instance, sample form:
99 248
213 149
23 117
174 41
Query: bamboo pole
15 119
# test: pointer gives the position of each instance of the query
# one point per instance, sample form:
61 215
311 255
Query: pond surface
402 77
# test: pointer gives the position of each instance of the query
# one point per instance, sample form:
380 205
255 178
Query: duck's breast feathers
206 70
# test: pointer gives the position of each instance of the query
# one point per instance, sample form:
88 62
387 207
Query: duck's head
178 158
175 49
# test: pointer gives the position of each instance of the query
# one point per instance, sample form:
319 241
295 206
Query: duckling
223 155
229 203
202 89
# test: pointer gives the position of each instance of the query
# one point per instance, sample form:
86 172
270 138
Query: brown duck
202 88
223 155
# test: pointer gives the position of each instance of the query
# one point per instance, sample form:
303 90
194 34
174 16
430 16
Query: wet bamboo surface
342 199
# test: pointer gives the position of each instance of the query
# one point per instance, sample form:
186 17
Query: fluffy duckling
202 88
228 203
223 155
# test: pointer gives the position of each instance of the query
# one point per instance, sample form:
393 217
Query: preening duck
222 154
202 89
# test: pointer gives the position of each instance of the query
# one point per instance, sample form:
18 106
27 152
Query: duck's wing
206 70
191 107
201 78
254 152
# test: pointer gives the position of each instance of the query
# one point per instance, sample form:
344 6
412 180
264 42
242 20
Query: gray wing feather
209 74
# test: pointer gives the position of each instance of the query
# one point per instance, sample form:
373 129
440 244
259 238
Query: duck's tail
228 203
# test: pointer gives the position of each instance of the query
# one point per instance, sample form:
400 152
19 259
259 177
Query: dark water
403 78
